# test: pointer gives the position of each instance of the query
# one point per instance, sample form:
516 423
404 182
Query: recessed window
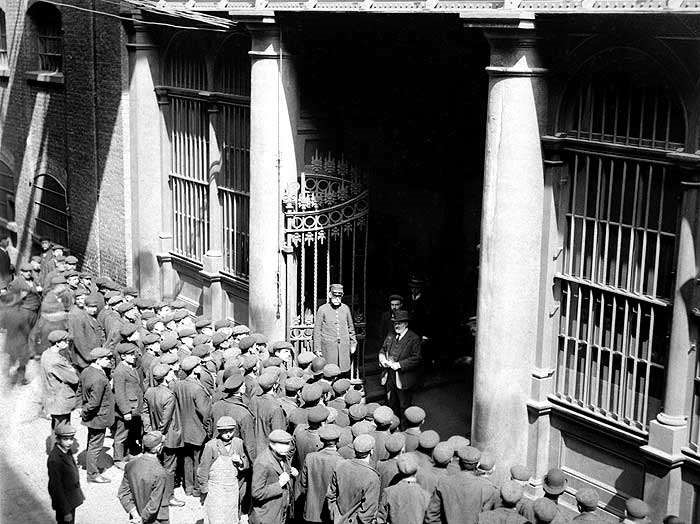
50 209
3 42
46 22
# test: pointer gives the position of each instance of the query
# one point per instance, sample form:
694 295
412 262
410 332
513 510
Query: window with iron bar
4 63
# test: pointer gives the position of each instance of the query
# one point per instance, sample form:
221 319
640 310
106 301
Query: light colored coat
60 383
334 334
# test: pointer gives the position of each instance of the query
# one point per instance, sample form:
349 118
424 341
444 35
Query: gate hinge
554 311
286 249
557 253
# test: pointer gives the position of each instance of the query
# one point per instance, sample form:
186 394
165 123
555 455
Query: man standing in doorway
385 325
334 331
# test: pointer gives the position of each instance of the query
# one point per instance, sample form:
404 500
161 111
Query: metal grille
188 176
234 67
185 69
50 209
234 190
616 283
46 20
4 64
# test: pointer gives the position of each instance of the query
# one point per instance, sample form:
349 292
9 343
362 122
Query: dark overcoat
353 492
194 409
87 335
505 516
269 416
97 399
458 499
408 354
388 472
159 414
270 501
64 482
403 503
315 478
234 407
128 392
334 333
144 487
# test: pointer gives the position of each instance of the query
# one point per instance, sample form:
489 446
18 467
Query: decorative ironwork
326 237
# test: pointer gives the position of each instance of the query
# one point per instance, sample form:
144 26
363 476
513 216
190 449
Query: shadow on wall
67 132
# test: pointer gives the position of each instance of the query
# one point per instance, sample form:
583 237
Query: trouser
190 459
95 441
398 399
127 437
60 517
169 461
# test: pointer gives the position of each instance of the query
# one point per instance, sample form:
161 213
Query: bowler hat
401 316
554 482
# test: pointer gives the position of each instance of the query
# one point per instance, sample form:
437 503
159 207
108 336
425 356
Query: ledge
45 77
4 74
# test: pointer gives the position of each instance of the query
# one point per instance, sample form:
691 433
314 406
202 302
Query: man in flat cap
271 487
510 494
353 492
64 481
59 379
386 326
334 331
98 408
267 411
128 396
158 414
143 493
193 406
387 468
636 511
462 496
20 315
86 331
316 474
223 459
405 502
587 504
400 357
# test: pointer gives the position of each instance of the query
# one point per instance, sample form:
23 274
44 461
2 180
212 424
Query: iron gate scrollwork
326 242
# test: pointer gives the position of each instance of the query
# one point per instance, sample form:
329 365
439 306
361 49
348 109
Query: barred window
617 274
50 209
233 79
7 193
4 63
46 20
189 143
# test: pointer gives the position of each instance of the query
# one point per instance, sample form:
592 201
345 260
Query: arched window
619 221
46 23
7 193
185 76
50 209
233 81
4 64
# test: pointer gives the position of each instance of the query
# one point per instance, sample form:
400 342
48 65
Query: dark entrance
405 97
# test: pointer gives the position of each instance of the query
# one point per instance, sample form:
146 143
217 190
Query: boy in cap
334 331
424 458
462 496
289 403
267 410
442 457
97 408
405 502
158 414
128 396
587 503
414 417
306 436
59 379
85 331
544 511
636 511
511 493
222 461
387 468
316 474
193 406
353 492
271 487
64 480
143 491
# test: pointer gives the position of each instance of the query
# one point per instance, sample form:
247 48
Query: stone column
509 300
669 432
273 165
145 151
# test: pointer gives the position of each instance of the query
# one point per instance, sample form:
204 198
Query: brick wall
72 131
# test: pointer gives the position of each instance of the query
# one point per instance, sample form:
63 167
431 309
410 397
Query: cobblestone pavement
23 477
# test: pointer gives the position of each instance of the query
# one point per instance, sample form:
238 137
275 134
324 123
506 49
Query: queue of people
254 431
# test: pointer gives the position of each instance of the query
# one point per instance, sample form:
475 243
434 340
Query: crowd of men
255 431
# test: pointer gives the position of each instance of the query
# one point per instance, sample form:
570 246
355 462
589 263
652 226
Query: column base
213 293
666 441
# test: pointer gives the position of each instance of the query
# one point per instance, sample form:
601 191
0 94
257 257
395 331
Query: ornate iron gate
326 242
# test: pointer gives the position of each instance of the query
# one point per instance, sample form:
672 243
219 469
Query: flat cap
152 439
363 443
554 482
511 492
241 329
201 338
280 436
272 362
246 343
92 300
587 498
330 371
458 441
357 412
186 332
371 407
249 362
260 338
395 442
382 415
487 462
70 259
218 338
126 348
353 397
336 288
341 386
190 362
442 453
64 429
311 393
267 381
317 365
317 414
127 329
57 335
545 510
168 343
342 420
202 322
170 359
281 344
469 455
123 307
225 422
428 439
305 358
144 303
99 353
325 386
361 428
201 350
150 338
160 370
68 274
293 384
520 472
329 432
414 415
636 508
407 464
